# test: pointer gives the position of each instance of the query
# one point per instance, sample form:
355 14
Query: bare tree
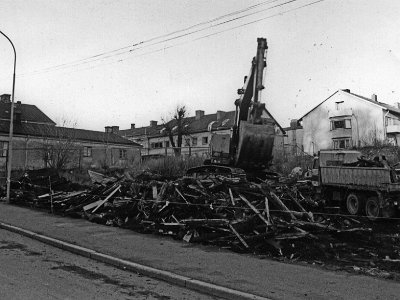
59 147
176 126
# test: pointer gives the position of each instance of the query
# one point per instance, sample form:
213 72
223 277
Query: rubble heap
264 218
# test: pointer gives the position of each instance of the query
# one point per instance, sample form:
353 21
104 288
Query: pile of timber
274 219
245 216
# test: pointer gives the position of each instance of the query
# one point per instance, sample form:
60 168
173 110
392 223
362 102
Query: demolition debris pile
263 218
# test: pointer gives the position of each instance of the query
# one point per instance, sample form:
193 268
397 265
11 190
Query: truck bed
358 178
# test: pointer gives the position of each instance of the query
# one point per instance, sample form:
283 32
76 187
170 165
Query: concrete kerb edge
183 281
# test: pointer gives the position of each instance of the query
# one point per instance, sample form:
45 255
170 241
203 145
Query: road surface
32 270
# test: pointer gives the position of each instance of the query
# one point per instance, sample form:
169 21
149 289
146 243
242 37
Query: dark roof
29 113
193 126
39 130
391 108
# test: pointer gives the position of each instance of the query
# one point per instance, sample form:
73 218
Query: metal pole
9 150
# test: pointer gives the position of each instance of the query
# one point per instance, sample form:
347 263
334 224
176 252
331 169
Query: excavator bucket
256 141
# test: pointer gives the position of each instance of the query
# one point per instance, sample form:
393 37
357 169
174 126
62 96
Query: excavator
247 150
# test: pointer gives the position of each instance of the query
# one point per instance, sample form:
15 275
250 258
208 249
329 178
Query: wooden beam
238 236
108 197
255 210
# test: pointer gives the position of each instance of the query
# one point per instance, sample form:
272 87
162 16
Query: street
32 270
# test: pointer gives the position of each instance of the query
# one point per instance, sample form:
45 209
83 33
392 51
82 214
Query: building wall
29 153
161 145
366 121
293 141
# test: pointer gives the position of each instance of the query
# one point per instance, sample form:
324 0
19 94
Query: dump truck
248 148
373 191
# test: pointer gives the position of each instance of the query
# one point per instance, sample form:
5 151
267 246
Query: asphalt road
32 270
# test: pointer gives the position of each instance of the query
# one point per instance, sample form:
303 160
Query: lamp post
9 150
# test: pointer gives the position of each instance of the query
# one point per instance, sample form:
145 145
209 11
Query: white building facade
346 120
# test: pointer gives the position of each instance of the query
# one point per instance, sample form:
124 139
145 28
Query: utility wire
56 68
164 35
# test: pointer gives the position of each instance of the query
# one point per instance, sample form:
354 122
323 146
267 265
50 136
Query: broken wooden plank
162 191
107 198
278 202
92 205
232 199
255 210
267 210
239 236
180 194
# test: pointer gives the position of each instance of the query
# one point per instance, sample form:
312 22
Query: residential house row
36 138
197 134
345 120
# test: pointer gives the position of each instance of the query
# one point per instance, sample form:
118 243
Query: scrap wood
254 209
108 197
282 206
180 194
92 205
238 236
210 222
162 191
231 196
267 210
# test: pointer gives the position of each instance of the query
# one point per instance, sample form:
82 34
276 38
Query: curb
172 278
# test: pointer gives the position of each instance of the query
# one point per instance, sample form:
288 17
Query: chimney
115 129
293 123
108 129
153 123
346 90
374 98
17 113
220 114
397 105
5 98
199 114
17 117
132 125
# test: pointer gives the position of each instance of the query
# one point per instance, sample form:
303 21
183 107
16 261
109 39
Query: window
204 140
338 105
122 153
3 149
194 141
166 144
344 123
342 143
156 145
87 151
187 142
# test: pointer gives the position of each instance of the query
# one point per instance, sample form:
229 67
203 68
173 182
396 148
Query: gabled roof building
346 119
34 133
198 130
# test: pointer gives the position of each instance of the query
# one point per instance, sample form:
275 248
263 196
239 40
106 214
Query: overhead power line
65 66
163 35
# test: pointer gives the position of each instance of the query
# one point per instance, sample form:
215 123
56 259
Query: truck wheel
372 209
353 203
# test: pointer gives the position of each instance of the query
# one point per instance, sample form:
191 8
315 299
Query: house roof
29 113
193 125
391 108
225 121
51 131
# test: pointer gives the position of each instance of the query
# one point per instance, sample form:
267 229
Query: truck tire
372 209
353 203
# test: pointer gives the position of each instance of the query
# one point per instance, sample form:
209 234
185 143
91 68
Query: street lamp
9 152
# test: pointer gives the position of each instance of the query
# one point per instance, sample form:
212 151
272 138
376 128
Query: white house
345 120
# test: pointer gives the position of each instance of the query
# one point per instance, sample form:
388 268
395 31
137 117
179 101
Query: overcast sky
69 65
